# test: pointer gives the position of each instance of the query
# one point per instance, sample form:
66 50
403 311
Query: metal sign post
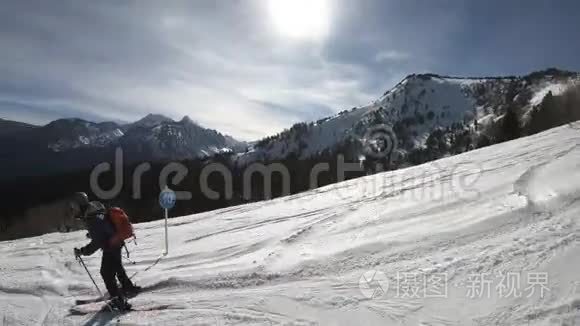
167 201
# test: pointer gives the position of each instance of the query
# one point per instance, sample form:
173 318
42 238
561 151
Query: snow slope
555 88
508 209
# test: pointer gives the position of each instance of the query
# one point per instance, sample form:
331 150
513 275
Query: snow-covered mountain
76 144
154 136
458 111
151 120
68 134
488 237
162 138
431 116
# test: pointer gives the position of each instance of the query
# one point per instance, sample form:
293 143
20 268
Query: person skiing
102 234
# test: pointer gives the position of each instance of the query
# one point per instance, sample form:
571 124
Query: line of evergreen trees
142 203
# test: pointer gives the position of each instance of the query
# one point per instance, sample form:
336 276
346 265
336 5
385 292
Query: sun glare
300 19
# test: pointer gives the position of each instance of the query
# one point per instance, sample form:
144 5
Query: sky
250 68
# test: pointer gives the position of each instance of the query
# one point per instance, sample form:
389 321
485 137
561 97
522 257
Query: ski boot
131 291
120 303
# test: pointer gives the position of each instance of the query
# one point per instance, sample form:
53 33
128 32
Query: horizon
253 70
285 128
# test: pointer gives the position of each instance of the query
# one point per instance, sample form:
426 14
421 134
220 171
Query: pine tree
542 118
510 127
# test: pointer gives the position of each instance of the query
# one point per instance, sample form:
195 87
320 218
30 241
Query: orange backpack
123 227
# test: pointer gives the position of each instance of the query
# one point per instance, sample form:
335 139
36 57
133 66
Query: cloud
391 56
220 63
120 61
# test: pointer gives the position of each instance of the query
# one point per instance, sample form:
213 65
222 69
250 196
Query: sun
300 19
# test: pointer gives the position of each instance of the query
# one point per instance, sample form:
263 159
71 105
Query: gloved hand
78 252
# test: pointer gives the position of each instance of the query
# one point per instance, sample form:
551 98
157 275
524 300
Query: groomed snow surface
489 237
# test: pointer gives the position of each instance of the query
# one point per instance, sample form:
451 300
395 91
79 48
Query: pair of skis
98 307
102 305
109 305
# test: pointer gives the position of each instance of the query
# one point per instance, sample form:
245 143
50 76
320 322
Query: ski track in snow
298 260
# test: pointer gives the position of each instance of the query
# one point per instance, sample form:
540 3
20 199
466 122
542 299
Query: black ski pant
112 269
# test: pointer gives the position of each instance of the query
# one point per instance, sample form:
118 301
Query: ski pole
126 250
130 261
80 259
128 255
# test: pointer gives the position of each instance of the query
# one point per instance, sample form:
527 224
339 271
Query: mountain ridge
10 126
421 108
431 115
76 144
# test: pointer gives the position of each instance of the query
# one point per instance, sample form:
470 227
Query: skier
102 233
